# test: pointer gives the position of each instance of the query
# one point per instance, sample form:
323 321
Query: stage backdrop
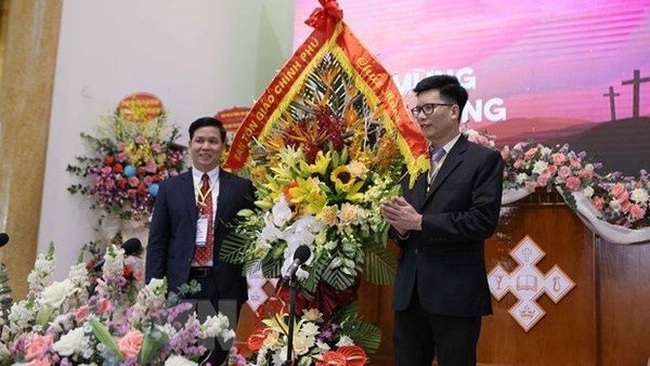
555 71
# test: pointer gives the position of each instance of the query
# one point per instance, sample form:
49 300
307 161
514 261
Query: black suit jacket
172 234
460 210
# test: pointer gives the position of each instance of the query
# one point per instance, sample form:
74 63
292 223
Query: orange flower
354 355
332 358
256 340
286 188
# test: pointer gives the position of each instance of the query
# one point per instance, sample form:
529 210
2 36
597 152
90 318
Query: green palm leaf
364 335
336 278
233 247
380 264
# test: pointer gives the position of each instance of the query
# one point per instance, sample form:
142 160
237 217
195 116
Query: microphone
299 257
4 239
131 247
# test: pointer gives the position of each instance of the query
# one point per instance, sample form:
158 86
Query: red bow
326 16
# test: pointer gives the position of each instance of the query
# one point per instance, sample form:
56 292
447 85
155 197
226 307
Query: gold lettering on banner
311 45
392 101
367 71
248 132
287 77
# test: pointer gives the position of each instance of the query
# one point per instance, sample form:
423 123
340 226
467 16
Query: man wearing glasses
441 290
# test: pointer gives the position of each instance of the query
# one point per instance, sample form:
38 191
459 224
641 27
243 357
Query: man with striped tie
441 290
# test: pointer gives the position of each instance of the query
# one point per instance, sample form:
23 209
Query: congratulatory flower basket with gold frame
326 142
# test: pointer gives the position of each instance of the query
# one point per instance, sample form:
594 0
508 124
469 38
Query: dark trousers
419 336
206 303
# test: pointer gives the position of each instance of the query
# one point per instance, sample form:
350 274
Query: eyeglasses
427 108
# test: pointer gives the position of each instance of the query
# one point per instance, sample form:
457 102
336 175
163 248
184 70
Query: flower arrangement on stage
619 200
532 165
115 321
129 159
622 200
320 172
315 340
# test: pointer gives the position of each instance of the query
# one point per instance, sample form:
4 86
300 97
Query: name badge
201 230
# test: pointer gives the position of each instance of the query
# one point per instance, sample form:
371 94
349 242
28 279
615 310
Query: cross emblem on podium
527 283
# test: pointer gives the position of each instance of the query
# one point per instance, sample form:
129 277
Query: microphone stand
293 289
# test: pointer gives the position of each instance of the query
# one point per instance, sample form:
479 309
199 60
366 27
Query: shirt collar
448 146
213 174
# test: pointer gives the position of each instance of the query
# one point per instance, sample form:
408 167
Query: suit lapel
187 193
453 159
225 185
419 191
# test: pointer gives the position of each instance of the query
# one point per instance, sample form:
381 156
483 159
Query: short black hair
207 121
449 87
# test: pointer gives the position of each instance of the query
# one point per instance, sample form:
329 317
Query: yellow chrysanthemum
308 193
258 174
348 214
358 169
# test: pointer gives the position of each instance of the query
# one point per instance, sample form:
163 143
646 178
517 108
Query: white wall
197 56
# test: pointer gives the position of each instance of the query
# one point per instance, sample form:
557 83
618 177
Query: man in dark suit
189 224
441 288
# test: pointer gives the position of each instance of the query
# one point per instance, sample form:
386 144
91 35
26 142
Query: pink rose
564 172
134 181
103 305
518 164
575 164
505 152
82 313
637 212
618 190
573 183
542 180
597 202
530 153
131 343
37 346
625 205
551 170
586 173
558 158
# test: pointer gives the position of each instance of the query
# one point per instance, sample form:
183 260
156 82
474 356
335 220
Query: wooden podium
603 320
